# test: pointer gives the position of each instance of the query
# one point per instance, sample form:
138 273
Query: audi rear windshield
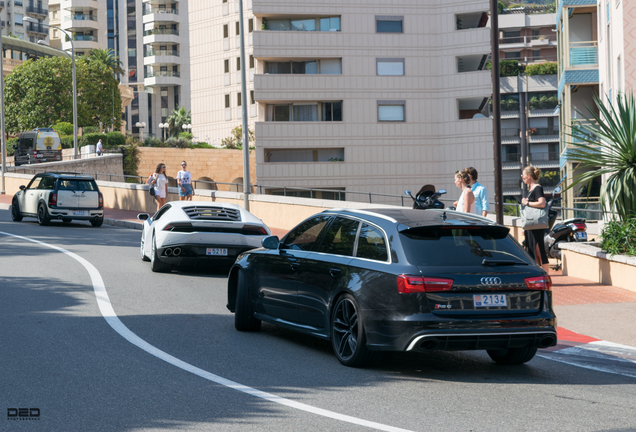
461 246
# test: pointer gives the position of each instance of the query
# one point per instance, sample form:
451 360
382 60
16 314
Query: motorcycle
427 198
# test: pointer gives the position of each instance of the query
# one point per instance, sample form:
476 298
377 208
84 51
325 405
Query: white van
38 145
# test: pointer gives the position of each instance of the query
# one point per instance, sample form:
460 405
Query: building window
513 54
250 25
226 65
238 28
391 111
226 31
324 67
227 101
330 24
332 111
251 62
224 1
389 24
239 100
238 63
388 66
281 112
252 100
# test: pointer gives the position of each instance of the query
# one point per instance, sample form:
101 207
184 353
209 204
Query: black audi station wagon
398 280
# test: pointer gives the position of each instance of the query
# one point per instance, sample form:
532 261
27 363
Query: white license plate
80 213
581 235
489 300
216 251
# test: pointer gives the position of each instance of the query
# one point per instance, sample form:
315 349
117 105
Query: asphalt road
167 357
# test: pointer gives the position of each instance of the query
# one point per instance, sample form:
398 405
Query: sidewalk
586 311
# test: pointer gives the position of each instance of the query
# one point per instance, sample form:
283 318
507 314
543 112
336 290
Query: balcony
80 22
161 36
81 42
264 40
161 57
584 54
78 4
538 135
1 5
162 78
527 41
152 14
37 12
37 29
548 159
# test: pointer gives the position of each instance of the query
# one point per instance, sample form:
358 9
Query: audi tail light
52 199
418 284
543 283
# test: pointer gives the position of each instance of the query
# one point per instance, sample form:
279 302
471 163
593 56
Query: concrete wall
589 262
110 164
220 165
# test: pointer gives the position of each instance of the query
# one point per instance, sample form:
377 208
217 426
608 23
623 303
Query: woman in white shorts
159 181
184 181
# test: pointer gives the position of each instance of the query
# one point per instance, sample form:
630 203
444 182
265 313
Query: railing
509 106
160 52
512 157
36 28
526 40
161 32
543 131
584 53
80 17
577 136
162 74
544 157
510 132
538 9
89 38
17 3
37 10
155 10
511 184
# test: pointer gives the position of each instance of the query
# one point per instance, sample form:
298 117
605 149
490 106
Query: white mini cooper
59 196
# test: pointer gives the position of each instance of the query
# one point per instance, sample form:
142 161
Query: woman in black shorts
534 238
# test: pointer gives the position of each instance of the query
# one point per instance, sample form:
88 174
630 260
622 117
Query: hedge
92 138
116 139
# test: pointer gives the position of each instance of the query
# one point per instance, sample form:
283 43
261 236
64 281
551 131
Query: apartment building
350 96
529 119
150 37
577 30
12 13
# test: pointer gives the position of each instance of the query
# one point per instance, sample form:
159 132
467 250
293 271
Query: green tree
107 56
178 118
40 93
608 148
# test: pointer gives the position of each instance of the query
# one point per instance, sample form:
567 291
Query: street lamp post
163 127
186 127
70 37
2 137
141 126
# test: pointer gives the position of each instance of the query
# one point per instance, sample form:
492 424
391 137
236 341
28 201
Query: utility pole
246 139
496 109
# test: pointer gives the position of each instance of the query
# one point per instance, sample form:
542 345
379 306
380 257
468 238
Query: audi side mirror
270 242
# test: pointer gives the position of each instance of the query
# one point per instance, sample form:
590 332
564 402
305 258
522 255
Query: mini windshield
461 246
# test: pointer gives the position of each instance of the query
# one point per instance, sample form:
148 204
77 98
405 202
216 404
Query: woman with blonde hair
466 201
536 199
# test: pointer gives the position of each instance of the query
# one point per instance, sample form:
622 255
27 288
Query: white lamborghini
198 233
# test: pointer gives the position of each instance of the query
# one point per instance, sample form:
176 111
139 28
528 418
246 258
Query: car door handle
334 272
294 266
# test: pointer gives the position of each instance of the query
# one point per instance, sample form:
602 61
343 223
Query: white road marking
107 311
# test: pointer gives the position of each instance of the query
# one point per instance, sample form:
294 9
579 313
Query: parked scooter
427 198
570 230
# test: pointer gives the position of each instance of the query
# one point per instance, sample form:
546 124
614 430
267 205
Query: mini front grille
212 213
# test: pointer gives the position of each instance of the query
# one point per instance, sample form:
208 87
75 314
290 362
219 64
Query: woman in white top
466 202
184 182
159 181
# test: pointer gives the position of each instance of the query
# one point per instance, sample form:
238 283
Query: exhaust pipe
429 344
167 252
176 251
547 341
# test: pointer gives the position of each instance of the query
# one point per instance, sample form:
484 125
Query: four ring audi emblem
490 281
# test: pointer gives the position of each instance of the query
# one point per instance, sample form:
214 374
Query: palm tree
178 118
107 56
608 148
